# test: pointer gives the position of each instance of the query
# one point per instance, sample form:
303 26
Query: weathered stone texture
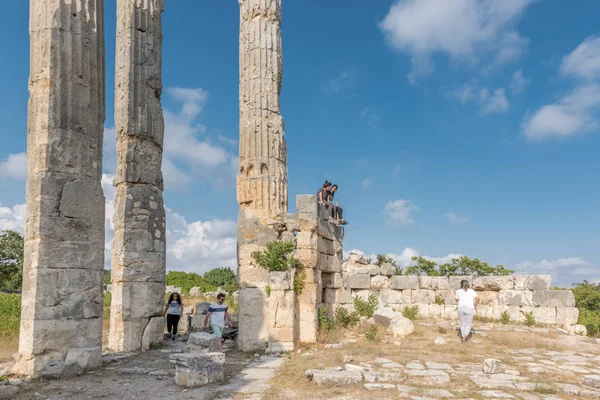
262 179
532 282
64 231
404 282
253 316
567 315
553 298
516 298
139 245
494 283
195 369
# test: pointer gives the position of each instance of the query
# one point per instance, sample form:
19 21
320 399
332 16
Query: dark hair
334 186
326 184
178 298
464 284
221 296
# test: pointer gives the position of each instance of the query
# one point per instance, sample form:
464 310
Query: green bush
107 277
277 257
366 308
224 278
442 329
10 314
505 317
529 319
371 332
591 320
299 280
411 313
106 305
439 300
188 280
457 267
268 290
325 321
11 260
346 319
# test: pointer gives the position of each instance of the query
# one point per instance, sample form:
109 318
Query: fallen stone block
87 358
202 307
334 378
193 370
492 366
387 269
203 342
577 330
195 291
60 369
173 289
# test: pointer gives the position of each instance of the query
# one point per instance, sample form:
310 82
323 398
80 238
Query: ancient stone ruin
61 324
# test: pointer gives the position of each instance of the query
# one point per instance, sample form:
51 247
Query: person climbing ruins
218 313
173 311
467 300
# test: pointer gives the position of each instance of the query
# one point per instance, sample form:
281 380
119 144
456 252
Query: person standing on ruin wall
173 311
218 312
467 300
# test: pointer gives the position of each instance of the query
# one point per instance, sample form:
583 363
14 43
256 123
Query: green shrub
411 313
268 290
529 319
371 332
224 278
277 257
366 308
346 319
11 260
188 280
439 300
591 320
442 330
325 321
107 277
232 304
10 314
299 280
106 305
505 317
461 266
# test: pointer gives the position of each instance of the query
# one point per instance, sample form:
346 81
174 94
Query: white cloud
518 82
366 183
14 167
191 246
564 271
340 83
573 114
399 211
584 61
473 92
579 111
12 218
456 219
462 29
372 118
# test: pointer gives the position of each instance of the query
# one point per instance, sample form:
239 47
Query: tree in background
461 266
587 299
224 278
11 260
107 278
186 281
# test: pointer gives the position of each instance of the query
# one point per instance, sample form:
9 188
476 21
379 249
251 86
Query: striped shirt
217 314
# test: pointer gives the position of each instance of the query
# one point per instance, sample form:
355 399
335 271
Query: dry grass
291 382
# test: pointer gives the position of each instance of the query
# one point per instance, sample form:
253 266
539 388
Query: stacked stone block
435 296
281 311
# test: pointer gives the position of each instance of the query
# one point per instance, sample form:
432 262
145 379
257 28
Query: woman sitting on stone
173 311
323 193
467 300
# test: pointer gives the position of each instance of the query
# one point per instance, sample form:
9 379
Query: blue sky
459 127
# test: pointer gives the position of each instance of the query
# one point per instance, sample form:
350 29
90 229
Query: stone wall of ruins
139 247
61 318
435 296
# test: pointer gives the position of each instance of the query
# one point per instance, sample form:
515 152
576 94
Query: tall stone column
262 179
138 248
61 317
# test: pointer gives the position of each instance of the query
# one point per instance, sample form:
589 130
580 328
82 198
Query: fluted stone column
138 248
61 317
262 178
